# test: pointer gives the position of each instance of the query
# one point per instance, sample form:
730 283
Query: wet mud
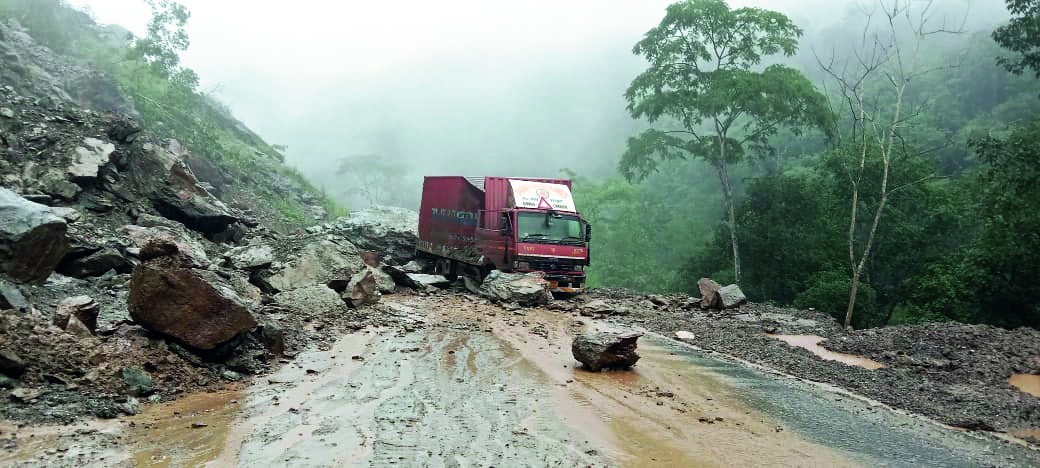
812 344
465 383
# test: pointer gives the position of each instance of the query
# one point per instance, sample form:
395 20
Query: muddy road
461 383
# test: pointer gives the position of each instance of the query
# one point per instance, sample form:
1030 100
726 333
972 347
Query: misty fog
452 88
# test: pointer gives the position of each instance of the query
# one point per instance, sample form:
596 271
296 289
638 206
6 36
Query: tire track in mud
440 397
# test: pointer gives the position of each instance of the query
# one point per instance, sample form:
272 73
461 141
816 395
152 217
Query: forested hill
939 121
51 49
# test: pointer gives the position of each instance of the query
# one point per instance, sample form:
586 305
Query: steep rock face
527 289
32 238
192 306
387 230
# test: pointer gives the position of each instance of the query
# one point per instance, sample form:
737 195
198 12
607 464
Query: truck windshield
540 228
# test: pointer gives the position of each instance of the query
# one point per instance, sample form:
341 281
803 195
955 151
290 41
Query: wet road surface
466 384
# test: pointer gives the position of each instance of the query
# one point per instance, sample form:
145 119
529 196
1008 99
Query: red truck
472 225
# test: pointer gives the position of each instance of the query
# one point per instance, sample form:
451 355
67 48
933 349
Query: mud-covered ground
956 374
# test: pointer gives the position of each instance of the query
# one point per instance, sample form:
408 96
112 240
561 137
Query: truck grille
552 265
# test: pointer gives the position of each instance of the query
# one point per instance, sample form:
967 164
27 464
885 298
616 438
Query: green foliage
377 180
828 291
1021 36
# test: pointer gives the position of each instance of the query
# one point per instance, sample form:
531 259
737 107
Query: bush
828 292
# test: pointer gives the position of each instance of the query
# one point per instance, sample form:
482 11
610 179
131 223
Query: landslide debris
606 350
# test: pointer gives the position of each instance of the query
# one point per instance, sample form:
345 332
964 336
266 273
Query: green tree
704 84
1021 36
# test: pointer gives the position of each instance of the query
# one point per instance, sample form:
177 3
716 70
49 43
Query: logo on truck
465 218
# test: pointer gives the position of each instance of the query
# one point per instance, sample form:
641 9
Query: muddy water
812 343
1029 383
186 432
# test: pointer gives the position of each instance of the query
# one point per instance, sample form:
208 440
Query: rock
684 335
731 296
412 267
318 263
32 238
605 350
55 184
384 281
598 306
526 289
192 306
87 159
123 129
25 394
400 277
659 300
95 264
6 112
70 215
12 298
77 328
10 364
82 308
7 382
273 336
363 289
709 294
152 237
388 230
313 301
429 280
166 180
250 256
138 382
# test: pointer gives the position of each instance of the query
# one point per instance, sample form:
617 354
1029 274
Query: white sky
444 82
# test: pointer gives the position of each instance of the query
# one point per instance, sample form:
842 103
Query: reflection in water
812 343
1028 383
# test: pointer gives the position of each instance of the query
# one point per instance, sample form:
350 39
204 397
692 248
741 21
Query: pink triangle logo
543 203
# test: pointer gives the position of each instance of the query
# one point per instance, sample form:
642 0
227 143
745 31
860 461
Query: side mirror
588 233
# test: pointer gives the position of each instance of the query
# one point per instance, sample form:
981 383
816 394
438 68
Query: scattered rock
429 280
12 297
95 264
138 382
87 159
604 350
6 112
10 364
198 424
250 256
684 335
709 294
659 300
598 306
25 394
363 289
731 296
83 308
32 238
526 289
318 263
313 301
388 230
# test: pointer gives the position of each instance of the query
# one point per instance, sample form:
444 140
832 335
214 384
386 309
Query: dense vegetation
932 139
169 103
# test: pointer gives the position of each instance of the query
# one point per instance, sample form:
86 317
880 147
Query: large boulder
710 298
162 175
606 350
194 307
88 159
429 280
526 289
390 231
363 288
319 262
250 256
312 301
13 298
731 296
151 237
32 238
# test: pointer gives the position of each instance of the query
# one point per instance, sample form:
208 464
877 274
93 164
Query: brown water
1029 383
812 343
186 432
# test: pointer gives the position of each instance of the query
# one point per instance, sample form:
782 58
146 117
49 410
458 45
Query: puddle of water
185 432
1026 433
1028 383
812 343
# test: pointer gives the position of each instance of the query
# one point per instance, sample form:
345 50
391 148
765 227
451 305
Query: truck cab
545 240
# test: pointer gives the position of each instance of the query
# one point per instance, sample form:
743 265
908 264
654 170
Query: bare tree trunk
731 222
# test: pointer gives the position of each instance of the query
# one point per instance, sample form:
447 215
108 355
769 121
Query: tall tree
1021 36
892 56
705 86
